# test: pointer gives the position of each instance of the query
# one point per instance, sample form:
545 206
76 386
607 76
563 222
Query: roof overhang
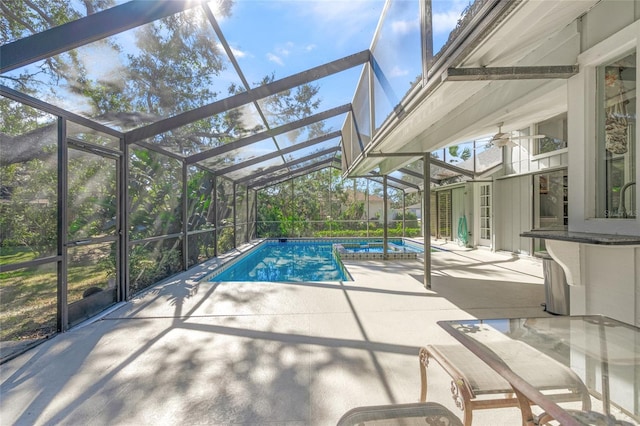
527 54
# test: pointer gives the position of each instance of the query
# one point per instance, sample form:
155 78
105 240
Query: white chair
419 413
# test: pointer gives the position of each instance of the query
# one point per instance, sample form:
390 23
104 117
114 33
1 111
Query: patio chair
419 413
476 386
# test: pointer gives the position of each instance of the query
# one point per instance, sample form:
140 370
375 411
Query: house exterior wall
522 159
512 200
605 279
636 263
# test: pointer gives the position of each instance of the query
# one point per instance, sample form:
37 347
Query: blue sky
285 31
284 37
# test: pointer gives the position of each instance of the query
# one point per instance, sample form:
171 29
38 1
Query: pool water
286 262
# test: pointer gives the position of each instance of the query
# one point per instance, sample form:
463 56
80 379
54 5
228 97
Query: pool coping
393 253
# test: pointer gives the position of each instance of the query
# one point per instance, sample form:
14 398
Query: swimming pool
286 261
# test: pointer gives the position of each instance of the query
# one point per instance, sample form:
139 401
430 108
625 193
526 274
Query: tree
456 155
173 68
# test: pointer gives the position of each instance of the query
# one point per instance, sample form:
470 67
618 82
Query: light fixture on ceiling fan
501 138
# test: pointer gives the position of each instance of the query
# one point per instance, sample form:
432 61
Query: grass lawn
28 297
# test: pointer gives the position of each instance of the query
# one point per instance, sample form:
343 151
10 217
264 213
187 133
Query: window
551 134
485 212
550 195
616 138
444 214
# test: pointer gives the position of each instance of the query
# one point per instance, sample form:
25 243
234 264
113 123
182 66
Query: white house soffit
409 158
526 30
438 123
517 103
430 126
510 41
431 110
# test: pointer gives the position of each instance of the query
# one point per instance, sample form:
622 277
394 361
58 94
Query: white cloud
403 27
443 23
275 58
446 20
310 47
281 51
236 52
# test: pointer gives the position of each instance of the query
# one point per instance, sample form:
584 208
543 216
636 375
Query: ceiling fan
501 138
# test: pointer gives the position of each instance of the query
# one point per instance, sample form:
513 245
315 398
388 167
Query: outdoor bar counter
600 269
584 237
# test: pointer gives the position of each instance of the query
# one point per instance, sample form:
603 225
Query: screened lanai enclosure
141 138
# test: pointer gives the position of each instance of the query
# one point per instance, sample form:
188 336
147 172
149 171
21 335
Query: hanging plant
616 123
611 78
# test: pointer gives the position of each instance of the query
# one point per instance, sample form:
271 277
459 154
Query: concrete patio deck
190 351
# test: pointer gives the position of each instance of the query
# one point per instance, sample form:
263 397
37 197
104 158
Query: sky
280 38
284 37
284 31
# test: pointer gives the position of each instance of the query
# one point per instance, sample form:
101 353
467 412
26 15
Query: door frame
67 144
482 209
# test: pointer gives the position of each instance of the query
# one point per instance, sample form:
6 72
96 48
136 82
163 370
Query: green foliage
152 262
31 16
410 218
29 217
225 240
155 189
454 151
549 144
321 204
354 211
391 232
173 68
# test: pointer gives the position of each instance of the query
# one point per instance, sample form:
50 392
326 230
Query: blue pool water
287 261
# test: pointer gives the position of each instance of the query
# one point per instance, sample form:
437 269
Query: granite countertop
584 237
